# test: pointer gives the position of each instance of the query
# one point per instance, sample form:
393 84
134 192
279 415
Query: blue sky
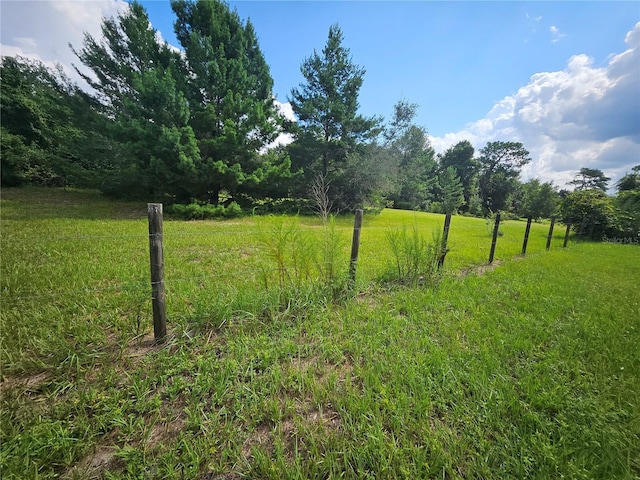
563 78
454 59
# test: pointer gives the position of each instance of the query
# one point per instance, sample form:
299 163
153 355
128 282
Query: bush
195 211
591 212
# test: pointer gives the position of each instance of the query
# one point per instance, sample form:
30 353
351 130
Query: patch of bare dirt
142 347
479 269
92 466
163 432
30 383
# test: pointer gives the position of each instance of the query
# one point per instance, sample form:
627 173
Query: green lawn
526 370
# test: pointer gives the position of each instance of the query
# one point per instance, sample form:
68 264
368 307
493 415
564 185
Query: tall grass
527 370
415 258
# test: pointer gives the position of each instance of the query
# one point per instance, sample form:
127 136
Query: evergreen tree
588 178
185 126
229 92
137 81
330 134
500 165
452 191
413 159
460 157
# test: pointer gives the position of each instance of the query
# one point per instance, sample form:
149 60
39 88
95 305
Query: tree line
197 125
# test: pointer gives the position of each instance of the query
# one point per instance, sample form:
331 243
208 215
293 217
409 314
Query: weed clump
301 261
415 259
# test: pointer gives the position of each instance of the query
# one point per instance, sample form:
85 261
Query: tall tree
588 178
44 131
627 202
538 200
460 157
631 181
590 211
500 166
229 92
329 128
136 80
412 157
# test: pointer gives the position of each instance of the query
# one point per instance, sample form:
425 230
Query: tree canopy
588 178
229 91
461 158
411 159
198 124
500 166
329 129
45 139
192 123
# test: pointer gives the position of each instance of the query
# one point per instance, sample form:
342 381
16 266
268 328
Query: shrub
591 212
233 210
195 211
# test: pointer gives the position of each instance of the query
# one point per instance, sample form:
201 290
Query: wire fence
244 259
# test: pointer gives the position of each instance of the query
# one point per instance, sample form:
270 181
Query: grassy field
526 370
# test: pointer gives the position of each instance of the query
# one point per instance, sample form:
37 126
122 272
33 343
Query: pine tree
413 159
137 82
229 91
460 157
452 191
330 130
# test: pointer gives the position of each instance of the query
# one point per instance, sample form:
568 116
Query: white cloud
555 34
283 139
42 30
286 110
582 116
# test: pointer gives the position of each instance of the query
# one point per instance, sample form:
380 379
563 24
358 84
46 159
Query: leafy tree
43 126
23 163
538 200
329 129
591 212
588 178
627 203
412 159
452 191
229 92
460 157
500 165
631 181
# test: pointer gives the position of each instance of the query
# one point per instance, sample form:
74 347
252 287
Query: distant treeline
199 126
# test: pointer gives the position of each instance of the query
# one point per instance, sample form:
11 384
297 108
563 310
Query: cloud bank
582 116
42 30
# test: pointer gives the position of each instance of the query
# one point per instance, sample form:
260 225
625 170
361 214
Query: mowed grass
526 370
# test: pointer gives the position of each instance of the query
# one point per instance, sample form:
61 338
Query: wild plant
415 259
288 246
